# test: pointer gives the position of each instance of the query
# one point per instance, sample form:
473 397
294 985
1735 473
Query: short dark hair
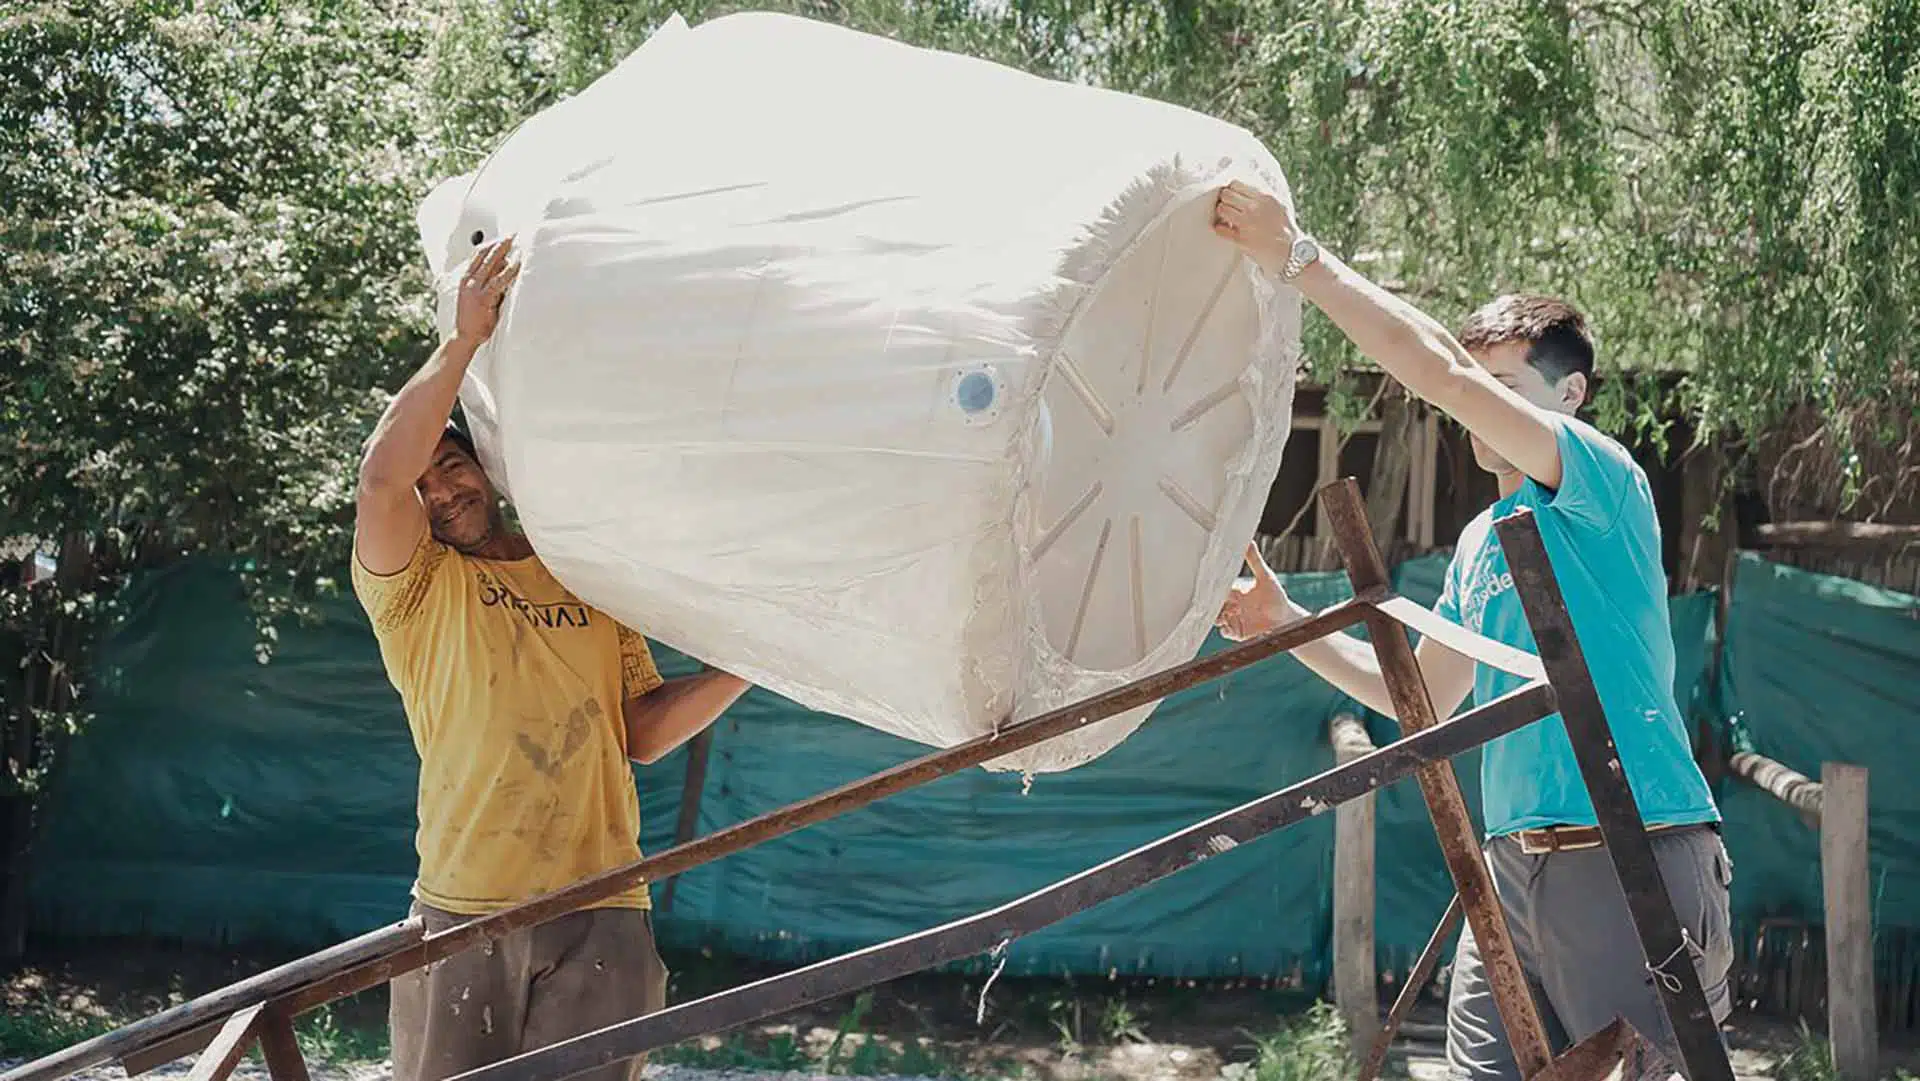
1555 329
461 439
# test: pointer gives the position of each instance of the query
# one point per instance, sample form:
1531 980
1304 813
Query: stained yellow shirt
513 690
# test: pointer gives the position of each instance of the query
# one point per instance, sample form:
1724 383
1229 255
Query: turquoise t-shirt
1602 537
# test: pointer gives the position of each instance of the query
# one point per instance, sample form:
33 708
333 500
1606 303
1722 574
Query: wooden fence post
1354 991
1851 1021
1836 805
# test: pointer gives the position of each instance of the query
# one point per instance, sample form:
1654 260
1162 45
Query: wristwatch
1303 254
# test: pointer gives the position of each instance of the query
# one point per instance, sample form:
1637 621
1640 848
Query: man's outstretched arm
1409 344
676 711
388 517
1341 659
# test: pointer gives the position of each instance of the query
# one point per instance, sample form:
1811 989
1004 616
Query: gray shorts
582 972
1578 946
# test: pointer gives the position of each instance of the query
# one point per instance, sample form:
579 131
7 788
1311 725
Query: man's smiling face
462 510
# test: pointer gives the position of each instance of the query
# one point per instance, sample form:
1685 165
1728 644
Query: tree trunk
16 813
1392 462
49 681
1704 548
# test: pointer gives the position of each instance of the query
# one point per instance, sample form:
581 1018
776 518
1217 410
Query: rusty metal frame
1410 989
997 928
1459 840
262 1007
1663 941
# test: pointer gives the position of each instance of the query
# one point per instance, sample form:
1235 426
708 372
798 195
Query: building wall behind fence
217 800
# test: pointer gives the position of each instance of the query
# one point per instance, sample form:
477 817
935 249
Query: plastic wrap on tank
909 386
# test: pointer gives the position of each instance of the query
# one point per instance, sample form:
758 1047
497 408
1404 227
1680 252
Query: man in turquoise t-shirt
1514 377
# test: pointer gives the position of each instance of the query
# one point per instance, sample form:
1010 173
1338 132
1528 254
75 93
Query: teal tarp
972 841
219 799
1822 669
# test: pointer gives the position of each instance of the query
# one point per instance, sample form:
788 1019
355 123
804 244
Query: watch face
1305 250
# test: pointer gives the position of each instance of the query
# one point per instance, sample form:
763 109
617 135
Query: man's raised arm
388 517
1410 345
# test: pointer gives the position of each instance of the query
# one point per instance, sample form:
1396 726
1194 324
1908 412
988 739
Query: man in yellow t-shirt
526 707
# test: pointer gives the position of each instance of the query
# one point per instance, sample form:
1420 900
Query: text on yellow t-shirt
513 690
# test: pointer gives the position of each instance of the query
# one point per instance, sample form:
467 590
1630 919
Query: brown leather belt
1549 839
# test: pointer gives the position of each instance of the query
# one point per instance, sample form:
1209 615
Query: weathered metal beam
1459 841
1703 1055
211 1010
1410 990
848 797
281 1048
983 932
371 960
342 980
170 1049
229 1047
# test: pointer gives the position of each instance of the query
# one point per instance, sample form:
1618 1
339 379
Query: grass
323 1038
32 1026
863 1056
1311 1047
851 1053
1036 1029
1812 1060
36 1027
861 1043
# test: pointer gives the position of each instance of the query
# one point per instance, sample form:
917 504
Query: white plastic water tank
912 387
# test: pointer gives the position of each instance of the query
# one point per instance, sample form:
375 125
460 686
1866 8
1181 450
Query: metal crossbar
985 931
377 957
261 1008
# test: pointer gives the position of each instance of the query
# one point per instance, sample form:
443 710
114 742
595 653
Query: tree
1728 188
1781 206
206 266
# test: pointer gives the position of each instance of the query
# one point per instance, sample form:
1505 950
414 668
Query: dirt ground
1038 1030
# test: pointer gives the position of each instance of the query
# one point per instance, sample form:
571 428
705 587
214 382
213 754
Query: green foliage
1811 1059
43 633
1790 180
1728 187
206 267
323 1037
1311 1047
854 1051
849 1023
1119 1023
32 1028
778 1052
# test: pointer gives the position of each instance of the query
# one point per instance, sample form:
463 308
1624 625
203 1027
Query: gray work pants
1577 943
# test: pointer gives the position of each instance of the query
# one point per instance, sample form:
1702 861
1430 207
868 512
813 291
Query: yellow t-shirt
513 690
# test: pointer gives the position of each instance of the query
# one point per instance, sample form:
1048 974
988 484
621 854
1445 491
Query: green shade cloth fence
215 799
1824 669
